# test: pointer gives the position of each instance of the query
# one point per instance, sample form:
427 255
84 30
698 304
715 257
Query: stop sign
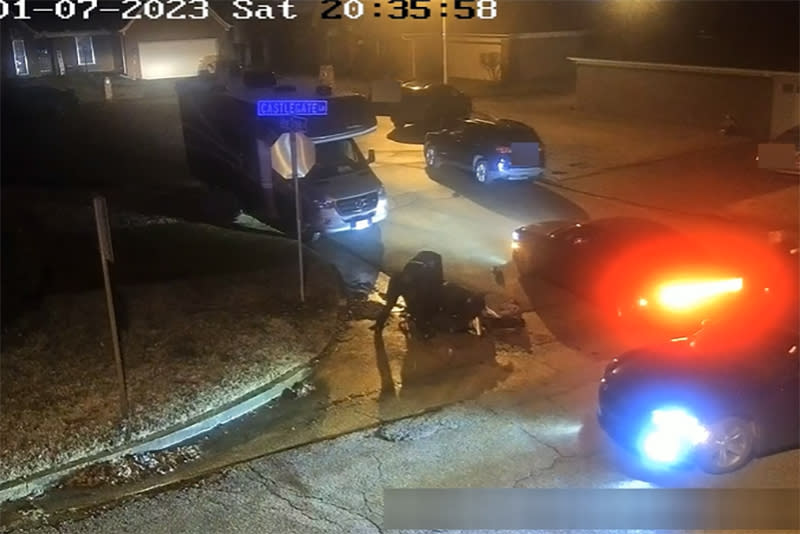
281 153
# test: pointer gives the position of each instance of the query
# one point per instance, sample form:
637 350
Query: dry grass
189 346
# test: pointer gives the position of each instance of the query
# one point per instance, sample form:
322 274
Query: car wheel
729 447
432 159
480 171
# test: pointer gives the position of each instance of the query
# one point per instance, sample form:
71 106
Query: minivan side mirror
371 156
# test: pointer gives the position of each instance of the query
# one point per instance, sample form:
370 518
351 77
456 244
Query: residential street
518 408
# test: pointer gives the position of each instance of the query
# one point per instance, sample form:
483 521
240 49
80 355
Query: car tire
730 446
432 159
480 171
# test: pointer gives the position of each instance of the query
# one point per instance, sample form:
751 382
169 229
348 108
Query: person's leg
393 293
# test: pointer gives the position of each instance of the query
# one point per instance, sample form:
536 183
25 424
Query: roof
49 25
213 15
99 23
642 65
494 37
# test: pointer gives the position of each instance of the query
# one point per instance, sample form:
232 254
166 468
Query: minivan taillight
504 150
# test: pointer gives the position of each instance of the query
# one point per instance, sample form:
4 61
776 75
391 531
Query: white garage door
174 59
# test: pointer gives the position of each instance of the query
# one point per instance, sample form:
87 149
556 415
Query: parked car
223 135
648 276
717 399
430 104
489 149
782 154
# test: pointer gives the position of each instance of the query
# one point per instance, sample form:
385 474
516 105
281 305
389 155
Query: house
162 48
763 103
691 63
138 48
44 47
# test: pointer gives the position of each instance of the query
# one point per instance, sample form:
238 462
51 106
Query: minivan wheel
432 157
729 447
481 171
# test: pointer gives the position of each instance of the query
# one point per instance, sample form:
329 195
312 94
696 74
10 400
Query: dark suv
490 149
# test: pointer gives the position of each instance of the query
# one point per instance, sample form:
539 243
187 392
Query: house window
85 48
20 57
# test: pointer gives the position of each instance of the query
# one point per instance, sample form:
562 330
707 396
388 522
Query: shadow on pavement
446 369
517 200
573 322
358 256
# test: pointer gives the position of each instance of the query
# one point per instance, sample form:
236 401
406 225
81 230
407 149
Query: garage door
174 59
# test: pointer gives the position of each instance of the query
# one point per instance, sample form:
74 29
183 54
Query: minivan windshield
337 157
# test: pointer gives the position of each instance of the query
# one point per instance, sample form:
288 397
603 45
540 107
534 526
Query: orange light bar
688 294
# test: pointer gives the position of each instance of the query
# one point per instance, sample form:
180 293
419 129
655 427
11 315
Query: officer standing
420 284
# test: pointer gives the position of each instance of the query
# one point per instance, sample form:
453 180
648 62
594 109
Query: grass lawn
207 315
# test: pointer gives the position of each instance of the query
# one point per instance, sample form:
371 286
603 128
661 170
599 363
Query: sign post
297 207
106 256
300 152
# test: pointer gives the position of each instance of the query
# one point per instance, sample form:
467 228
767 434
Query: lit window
85 48
20 57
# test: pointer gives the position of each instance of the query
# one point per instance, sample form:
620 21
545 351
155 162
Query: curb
37 483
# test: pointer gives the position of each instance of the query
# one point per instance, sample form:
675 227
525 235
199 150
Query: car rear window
511 132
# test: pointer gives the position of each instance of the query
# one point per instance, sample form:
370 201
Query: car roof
624 225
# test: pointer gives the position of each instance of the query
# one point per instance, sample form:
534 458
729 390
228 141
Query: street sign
294 124
293 154
281 153
288 108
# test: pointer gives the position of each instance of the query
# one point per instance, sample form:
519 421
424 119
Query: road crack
341 508
272 487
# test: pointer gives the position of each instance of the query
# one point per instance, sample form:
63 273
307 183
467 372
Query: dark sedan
657 281
488 149
717 399
432 105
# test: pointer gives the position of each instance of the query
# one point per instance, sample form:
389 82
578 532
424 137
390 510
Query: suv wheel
432 159
480 172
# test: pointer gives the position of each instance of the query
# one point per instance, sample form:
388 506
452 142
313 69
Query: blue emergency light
292 108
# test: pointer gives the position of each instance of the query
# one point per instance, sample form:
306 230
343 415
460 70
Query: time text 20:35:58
409 9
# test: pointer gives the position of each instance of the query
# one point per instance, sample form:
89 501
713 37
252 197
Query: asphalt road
519 413
470 225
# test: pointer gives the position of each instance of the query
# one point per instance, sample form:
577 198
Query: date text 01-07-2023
413 9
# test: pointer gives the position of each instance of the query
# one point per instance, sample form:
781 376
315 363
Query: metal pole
297 206
103 237
413 59
444 50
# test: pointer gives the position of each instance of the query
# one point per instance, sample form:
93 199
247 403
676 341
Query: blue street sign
285 108
297 124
